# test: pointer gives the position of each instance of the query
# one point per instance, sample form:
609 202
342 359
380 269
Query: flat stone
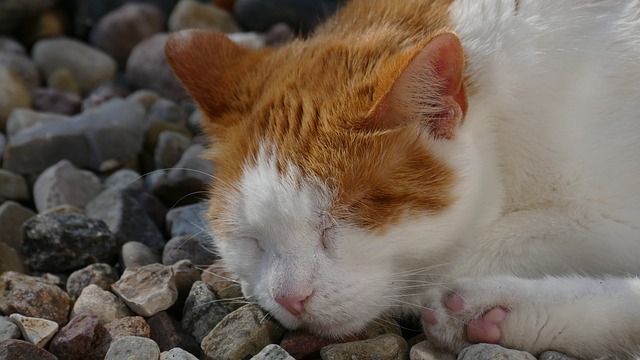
22 350
133 347
63 183
126 219
101 303
33 297
202 311
15 94
35 330
167 332
100 274
88 65
148 289
426 351
177 354
12 216
135 254
273 352
190 14
243 333
78 338
66 242
8 330
492 352
22 118
387 347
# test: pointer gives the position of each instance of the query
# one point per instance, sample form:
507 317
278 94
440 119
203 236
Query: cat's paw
477 311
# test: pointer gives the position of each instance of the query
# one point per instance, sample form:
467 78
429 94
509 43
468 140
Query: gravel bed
103 250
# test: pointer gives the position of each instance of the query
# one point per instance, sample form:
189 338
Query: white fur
548 166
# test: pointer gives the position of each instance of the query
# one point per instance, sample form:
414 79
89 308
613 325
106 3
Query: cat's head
336 187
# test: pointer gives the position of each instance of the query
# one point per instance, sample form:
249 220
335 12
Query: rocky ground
103 253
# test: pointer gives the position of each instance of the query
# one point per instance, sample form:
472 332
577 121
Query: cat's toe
443 326
488 327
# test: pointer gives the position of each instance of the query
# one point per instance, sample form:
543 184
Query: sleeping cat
475 161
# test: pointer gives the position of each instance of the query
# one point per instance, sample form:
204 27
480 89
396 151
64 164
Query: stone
15 94
189 247
89 66
22 350
251 40
388 347
127 326
78 338
66 242
135 254
86 139
35 330
492 352
22 118
120 30
33 297
148 289
232 297
148 68
258 15
243 333
218 277
202 311
133 347
63 209
8 330
273 352
55 101
9 45
165 110
154 208
104 92
279 35
3 144
124 179
13 186
12 216
302 344
554 355
188 220
177 354
155 128
102 275
186 275
191 14
426 351
144 97
126 219
63 183
11 260
169 334
22 66
101 303
62 79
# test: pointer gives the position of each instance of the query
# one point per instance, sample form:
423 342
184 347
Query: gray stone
169 334
188 220
424 350
12 216
148 68
22 66
21 119
15 94
202 311
86 139
89 66
191 14
8 330
136 254
35 330
272 352
104 92
101 303
165 110
169 149
63 183
13 186
148 289
241 334
126 219
14 349
554 355
177 354
186 276
124 179
187 247
11 260
102 275
388 347
492 352
119 31
9 45
66 242
133 348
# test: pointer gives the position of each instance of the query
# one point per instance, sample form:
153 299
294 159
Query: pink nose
294 304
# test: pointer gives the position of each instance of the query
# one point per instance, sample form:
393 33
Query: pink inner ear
430 90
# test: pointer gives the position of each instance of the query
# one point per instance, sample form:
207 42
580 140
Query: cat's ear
203 61
429 90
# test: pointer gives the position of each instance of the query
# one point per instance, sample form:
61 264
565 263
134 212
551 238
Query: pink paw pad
487 329
429 317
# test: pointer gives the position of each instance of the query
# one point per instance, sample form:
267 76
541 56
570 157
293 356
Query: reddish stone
21 350
302 345
78 338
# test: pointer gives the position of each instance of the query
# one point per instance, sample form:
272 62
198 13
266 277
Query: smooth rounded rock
191 14
273 352
492 352
136 254
21 119
101 303
133 348
177 354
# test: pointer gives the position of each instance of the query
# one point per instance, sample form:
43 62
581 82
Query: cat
474 161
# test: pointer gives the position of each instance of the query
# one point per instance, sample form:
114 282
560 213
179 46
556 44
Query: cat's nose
294 303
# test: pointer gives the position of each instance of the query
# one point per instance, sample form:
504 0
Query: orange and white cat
477 161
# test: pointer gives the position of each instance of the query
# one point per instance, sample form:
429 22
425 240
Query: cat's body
364 167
